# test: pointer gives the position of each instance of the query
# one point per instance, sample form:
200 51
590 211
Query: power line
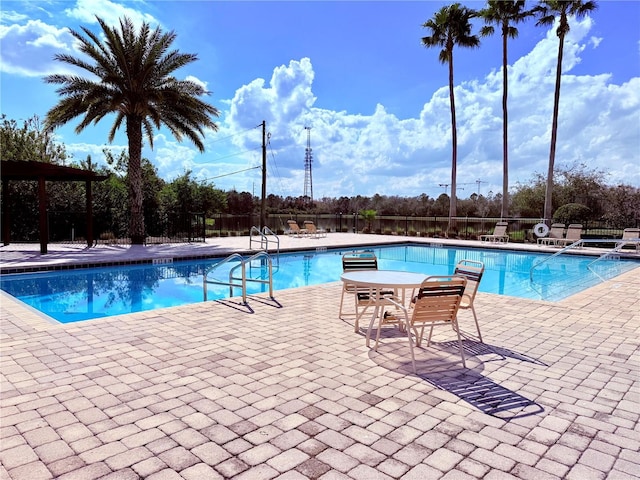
236 154
232 173
274 166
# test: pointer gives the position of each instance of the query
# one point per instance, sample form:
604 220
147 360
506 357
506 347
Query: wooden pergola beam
42 172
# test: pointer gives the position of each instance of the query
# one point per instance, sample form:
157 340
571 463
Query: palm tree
132 77
548 10
504 13
451 26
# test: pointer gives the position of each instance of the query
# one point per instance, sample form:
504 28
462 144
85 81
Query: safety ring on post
541 230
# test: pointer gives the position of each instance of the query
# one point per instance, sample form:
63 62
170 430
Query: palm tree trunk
505 137
454 145
548 206
136 221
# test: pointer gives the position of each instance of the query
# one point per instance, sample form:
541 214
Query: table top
384 278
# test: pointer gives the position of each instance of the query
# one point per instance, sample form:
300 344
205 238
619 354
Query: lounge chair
437 303
630 236
472 270
313 231
294 229
499 234
574 234
354 261
556 232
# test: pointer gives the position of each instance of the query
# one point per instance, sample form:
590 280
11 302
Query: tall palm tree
548 10
132 77
451 26
504 13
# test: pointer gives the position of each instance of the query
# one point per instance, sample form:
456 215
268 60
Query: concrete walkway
209 391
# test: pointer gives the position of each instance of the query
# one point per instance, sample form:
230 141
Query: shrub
572 213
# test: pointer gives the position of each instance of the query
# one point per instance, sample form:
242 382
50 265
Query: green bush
572 213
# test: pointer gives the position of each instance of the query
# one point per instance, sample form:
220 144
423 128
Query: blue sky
356 73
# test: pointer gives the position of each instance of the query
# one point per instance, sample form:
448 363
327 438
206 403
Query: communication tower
308 160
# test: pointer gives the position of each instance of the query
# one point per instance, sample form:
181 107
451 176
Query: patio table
380 280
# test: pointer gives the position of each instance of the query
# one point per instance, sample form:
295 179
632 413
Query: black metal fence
194 227
467 228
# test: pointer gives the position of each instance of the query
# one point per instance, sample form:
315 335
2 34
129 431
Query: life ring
541 230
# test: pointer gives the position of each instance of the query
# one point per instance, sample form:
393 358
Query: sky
374 100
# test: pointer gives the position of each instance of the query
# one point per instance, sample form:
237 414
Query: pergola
44 172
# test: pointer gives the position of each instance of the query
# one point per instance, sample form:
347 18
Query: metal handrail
613 254
264 238
235 256
244 278
547 259
239 281
578 244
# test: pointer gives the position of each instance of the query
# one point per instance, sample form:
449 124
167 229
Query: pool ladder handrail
578 244
243 278
264 234
613 254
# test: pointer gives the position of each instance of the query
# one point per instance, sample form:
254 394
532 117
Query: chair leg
457 329
475 317
380 316
356 325
359 315
430 333
376 312
341 303
413 358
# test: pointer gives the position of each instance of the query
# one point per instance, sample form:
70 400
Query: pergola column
6 219
42 208
89 210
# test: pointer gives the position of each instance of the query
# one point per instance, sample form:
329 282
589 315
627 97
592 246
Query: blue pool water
82 294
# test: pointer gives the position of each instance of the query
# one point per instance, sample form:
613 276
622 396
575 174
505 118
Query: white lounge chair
294 229
630 236
313 231
574 233
499 234
556 232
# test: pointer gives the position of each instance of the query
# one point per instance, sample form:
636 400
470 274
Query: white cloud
196 80
355 154
12 16
111 12
378 153
29 49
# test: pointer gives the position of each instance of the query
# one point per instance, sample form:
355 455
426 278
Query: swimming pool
83 294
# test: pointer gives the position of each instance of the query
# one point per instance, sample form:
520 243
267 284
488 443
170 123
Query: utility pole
263 204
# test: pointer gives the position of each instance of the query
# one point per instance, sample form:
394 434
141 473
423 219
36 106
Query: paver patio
209 391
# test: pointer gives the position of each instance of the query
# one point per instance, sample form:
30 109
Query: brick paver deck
209 391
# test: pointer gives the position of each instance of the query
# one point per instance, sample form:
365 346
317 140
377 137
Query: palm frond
134 80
